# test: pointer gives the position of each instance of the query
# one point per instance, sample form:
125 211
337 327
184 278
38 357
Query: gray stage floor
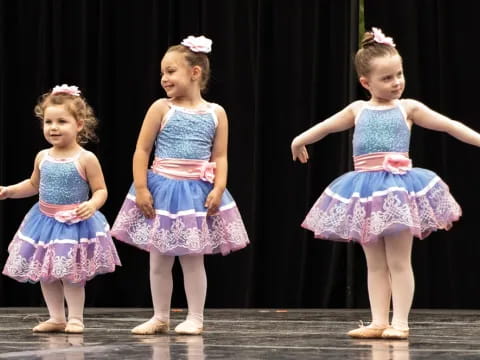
241 334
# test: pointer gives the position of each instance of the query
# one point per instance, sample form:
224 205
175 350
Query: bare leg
398 250
195 282
379 288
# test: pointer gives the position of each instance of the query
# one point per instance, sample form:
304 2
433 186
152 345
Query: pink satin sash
63 213
394 162
185 169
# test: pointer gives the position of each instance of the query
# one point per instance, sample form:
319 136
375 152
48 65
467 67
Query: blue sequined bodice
61 183
187 134
381 130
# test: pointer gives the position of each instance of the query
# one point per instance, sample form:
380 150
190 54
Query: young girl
181 207
63 240
384 202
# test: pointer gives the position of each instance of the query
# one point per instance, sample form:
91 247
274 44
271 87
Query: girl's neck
64 152
189 102
379 102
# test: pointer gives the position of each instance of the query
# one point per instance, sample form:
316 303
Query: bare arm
219 156
342 120
150 127
27 187
425 117
96 181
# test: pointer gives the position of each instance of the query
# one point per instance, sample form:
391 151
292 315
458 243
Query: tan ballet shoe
392 333
365 332
188 327
74 326
49 326
151 327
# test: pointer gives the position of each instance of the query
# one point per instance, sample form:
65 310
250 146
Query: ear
364 82
80 124
196 72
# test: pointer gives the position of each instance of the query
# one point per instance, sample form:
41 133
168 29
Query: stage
241 334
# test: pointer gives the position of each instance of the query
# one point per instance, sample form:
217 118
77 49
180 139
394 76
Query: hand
4 193
213 201
85 210
299 151
145 203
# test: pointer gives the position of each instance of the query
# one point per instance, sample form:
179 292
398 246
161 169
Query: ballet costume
180 178
384 194
52 243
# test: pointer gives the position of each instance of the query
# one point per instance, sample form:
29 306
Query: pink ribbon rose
397 164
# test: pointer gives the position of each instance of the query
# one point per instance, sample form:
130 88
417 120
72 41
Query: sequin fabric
58 179
381 130
186 135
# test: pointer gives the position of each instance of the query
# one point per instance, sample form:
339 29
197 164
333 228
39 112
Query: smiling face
60 127
385 81
178 77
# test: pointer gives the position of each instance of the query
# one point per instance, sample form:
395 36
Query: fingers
85 210
148 210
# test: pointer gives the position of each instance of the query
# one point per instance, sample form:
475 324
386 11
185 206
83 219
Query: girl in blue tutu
63 240
384 202
180 206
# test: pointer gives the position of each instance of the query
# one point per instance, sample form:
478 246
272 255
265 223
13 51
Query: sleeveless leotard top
380 129
187 133
62 181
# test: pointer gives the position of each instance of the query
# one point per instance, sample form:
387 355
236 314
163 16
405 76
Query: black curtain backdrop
277 69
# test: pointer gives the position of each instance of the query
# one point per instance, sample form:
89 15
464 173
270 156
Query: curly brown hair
370 49
77 106
195 59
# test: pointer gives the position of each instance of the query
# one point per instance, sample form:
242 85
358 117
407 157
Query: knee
161 264
399 266
192 263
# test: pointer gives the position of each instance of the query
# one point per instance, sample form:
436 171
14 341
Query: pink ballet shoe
49 327
151 327
366 332
74 326
392 333
189 327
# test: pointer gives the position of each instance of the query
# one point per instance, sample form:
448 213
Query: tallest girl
384 202
181 206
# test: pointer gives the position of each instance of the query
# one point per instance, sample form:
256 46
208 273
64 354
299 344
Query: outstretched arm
25 188
425 117
96 181
219 156
342 120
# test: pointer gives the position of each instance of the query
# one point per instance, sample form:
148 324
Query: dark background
277 69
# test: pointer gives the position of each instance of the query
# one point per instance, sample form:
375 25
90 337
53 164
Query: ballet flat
365 332
151 327
188 328
49 327
74 326
392 333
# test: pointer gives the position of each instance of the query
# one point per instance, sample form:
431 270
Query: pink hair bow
379 37
65 89
397 163
67 216
207 171
198 44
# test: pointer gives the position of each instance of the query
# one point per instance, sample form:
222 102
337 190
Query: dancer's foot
392 333
74 326
151 327
189 327
367 332
49 326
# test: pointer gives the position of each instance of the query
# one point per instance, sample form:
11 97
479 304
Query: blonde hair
77 106
195 59
370 49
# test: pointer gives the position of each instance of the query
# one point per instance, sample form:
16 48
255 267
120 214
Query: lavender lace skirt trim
183 234
391 210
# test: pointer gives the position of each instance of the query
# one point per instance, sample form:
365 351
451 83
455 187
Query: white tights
56 293
390 276
161 284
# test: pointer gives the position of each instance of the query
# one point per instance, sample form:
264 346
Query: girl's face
177 75
60 128
385 82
